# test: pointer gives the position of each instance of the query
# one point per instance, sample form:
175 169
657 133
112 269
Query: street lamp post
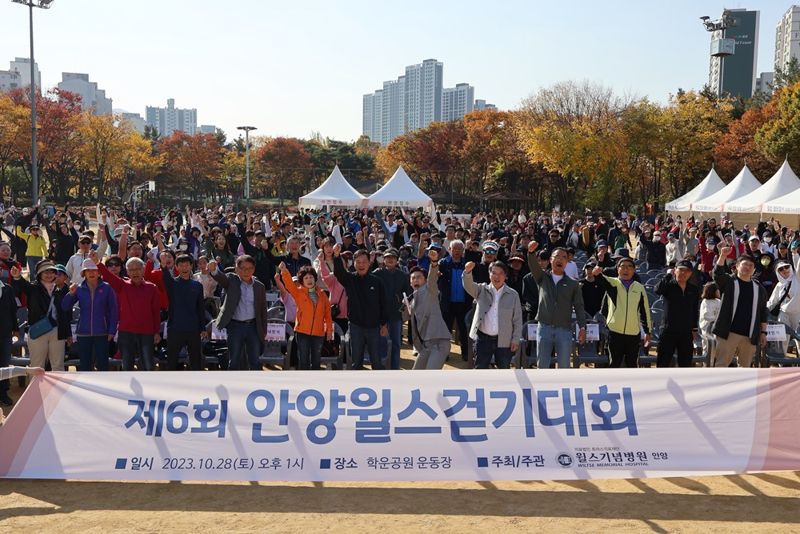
43 4
247 130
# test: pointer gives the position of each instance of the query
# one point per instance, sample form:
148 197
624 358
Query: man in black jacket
742 321
682 314
395 284
366 307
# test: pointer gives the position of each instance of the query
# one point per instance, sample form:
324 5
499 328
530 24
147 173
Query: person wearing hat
395 285
784 302
490 250
43 297
98 318
75 264
601 256
682 313
655 251
36 246
516 272
628 313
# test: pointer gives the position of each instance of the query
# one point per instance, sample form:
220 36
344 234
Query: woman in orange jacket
313 315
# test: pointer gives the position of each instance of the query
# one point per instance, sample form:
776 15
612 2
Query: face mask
183 247
768 240
656 239
77 226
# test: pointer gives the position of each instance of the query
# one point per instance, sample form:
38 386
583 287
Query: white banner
391 425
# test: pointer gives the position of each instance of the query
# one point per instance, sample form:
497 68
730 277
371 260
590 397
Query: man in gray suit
243 313
430 333
497 321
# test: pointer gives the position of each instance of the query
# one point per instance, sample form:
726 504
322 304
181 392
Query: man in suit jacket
430 333
243 312
497 322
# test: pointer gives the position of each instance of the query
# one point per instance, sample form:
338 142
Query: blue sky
291 69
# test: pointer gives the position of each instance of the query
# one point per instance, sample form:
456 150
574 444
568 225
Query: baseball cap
391 252
601 243
754 238
684 264
490 247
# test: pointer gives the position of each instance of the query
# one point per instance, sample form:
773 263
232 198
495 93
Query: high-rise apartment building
787 39
169 119
413 101
18 75
457 101
91 97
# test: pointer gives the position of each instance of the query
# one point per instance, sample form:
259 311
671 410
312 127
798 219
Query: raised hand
533 246
73 288
212 266
433 255
94 257
725 250
282 267
597 271
337 249
469 267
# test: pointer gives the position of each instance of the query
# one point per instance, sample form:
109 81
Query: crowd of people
102 283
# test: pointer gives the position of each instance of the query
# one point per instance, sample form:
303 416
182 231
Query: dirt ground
751 503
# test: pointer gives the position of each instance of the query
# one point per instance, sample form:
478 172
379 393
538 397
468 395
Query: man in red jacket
139 314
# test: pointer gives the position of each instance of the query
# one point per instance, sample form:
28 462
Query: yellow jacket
36 244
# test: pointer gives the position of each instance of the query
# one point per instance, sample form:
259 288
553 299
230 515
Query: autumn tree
192 162
14 131
779 137
738 147
284 167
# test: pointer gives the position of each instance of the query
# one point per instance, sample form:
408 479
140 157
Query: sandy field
751 503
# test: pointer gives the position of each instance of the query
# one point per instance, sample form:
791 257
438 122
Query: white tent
710 185
782 183
400 190
787 206
335 191
743 184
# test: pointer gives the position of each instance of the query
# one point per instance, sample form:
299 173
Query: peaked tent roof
743 184
710 185
782 183
335 191
400 190
789 203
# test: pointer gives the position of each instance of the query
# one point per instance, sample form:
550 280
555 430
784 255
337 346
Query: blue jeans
93 349
32 261
241 337
133 346
395 334
486 348
5 361
365 338
549 337
309 351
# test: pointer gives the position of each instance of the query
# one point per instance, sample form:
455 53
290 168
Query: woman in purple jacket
98 320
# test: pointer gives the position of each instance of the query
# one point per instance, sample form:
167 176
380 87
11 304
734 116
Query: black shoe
464 357
5 400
